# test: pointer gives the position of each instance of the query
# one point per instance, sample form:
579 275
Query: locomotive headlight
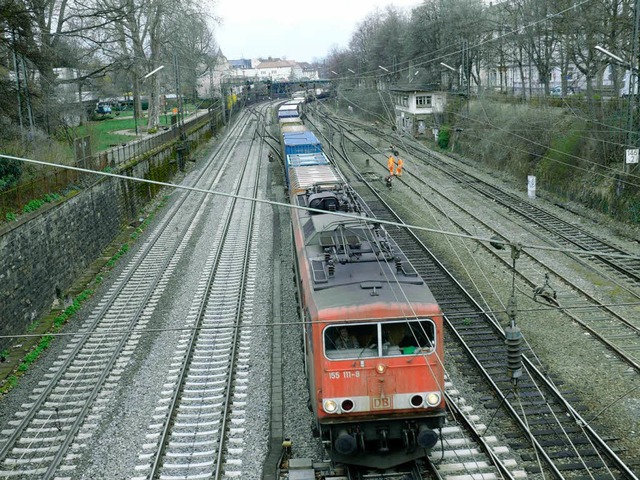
330 406
381 368
433 399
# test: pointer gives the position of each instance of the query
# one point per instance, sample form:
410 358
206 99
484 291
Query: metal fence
59 180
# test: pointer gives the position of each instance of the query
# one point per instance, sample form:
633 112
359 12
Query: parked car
557 91
103 108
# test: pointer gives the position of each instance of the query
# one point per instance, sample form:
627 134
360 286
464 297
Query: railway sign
632 155
531 186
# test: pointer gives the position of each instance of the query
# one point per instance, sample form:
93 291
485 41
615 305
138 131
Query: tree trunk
137 100
154 103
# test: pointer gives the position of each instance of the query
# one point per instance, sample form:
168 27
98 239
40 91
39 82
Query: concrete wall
43 252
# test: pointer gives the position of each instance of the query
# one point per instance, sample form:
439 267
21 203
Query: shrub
10 171
443 136
33 205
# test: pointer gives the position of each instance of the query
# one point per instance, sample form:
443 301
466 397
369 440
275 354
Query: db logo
380 403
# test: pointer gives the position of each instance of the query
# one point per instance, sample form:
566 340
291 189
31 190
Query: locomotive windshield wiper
370 346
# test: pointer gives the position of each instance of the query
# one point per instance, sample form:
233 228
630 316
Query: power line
443 57
462 314
314 210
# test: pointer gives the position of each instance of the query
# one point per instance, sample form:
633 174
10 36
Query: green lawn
103 134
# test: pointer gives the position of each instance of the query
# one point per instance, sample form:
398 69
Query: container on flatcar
305 178
291 122
288 114
301 142
299 103
305 160
293 128
299 95
289 111
288 106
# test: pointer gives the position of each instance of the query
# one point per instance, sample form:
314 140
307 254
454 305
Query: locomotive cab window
355 341
408 338
350 341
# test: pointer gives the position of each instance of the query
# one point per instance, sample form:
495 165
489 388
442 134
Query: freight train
373 332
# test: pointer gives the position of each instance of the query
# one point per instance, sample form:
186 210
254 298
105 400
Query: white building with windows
275 70
417 109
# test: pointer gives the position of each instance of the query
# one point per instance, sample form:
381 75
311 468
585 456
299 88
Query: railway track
612 326
553 434
463 451
48 435
198 431
566 234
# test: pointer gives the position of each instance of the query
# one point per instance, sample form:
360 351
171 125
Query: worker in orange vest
391 163
399 168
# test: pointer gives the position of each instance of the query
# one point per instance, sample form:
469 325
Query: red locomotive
373 331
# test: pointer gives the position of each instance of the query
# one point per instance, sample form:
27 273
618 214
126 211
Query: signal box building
418 108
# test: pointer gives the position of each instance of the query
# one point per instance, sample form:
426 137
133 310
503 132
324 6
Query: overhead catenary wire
490 127
612 170
299 323
414 62
290 206
492 39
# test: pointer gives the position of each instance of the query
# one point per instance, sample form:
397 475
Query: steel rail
61 370
156 464
218 473
460 416
597 439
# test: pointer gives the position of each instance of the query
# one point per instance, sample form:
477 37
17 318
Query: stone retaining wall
43 252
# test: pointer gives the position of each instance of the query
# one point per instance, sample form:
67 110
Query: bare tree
362 41
585 32
153 33
192 41
42 33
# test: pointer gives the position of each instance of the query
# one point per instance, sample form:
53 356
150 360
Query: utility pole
182 147
634 80
223 104
467 69
136 102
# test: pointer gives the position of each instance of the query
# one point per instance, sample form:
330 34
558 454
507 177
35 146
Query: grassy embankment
574 148
575 155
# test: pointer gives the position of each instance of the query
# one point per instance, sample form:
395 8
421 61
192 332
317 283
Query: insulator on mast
514 352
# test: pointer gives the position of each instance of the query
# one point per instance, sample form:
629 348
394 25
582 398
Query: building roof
277 64
241 63
416 88
416 81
